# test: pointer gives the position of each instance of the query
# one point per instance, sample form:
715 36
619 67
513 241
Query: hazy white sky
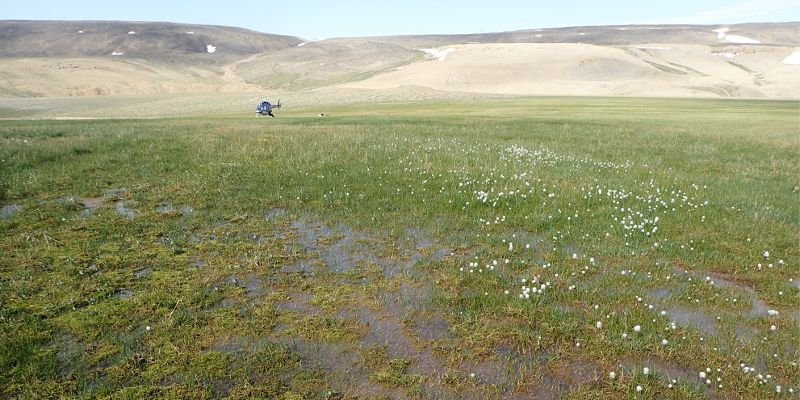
315 19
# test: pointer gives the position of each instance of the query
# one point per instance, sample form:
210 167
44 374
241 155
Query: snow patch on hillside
438 54
307 42
792 59
722 30
740 39
722 34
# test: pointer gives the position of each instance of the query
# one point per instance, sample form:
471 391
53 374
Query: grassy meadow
580 248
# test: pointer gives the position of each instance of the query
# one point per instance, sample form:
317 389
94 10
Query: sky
318 19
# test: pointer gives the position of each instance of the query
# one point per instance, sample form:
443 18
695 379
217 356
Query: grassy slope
382 169
322 64
47 77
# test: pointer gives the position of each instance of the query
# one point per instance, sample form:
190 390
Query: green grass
395 183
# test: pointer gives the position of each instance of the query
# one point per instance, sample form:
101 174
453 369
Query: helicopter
265 108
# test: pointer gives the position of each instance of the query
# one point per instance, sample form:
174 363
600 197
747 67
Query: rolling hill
85 58
743 60
153 41
80 58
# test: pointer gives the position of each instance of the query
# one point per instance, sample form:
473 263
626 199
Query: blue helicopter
265 108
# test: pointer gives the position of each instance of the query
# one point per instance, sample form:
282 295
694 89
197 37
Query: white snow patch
210 48
623 29
721 32
80 31
726 54
117 53
440 55
132 33
793 59
653 48
740 39
310 41
539 35
190 33
581 33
